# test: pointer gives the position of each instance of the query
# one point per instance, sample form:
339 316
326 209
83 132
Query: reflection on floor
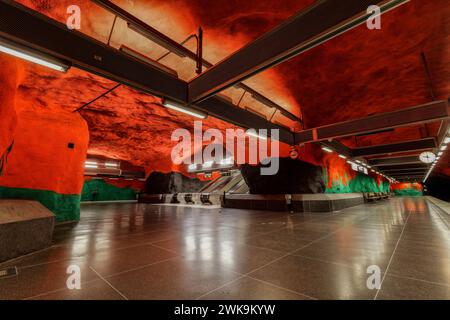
135 251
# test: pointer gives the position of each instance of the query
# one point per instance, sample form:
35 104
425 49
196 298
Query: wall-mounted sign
358 168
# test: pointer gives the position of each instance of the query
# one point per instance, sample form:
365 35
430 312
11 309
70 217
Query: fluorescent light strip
110 164
184 109
327 149
342 156
447 140
91 166
255 135
18 51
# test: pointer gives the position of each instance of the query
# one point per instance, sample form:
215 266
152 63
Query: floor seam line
291 252
108 283
279 287
220 287
392 257
140 267
165 249
421 280
57 290
324 261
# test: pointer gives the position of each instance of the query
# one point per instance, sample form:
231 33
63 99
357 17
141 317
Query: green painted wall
361 183
408 192
99 190
65 207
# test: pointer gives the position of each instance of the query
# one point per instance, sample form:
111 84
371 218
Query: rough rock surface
294 176
174 182
359 73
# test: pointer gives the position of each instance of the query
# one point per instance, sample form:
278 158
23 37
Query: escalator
240 187
230 183
233 182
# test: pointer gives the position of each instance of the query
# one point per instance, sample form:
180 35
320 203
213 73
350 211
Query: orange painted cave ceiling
357 74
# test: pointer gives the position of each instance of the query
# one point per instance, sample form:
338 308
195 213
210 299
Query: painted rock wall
407 189
173 182
8 86
46 162
294 176
352 182
110 190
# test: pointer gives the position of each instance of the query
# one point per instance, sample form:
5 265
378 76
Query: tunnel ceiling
357 74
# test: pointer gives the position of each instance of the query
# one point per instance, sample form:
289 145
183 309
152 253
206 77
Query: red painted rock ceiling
359 73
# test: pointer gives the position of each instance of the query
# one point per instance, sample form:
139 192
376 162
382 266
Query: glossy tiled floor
134 251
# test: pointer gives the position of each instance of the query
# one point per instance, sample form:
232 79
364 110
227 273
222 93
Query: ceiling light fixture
327 149
183 109
111 164
31 55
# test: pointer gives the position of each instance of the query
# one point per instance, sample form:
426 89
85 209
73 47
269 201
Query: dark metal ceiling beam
415 145
180 50
31 29
396 161
430 112
408 167
412 178
415 176
443 132
221 108
407 173
156 36
23 25
315 25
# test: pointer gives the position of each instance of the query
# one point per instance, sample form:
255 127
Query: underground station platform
189 150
